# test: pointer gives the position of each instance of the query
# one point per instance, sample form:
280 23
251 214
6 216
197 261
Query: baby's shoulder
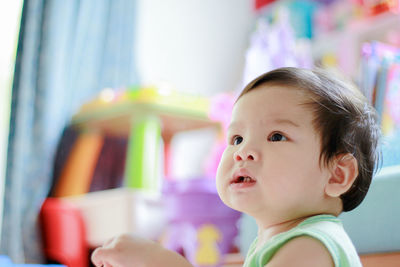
320 239
302 251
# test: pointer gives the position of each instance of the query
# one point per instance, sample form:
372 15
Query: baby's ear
344 171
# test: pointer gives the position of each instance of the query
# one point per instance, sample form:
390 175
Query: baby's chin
226 201
236 205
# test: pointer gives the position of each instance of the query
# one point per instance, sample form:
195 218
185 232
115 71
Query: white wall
198 46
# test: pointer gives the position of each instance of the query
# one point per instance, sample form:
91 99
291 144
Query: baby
302 148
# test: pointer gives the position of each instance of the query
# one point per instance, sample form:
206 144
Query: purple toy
200 226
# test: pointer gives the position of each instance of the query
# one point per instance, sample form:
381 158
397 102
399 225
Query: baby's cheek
221 175
222 161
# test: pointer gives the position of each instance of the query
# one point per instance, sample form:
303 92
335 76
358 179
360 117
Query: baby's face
270 168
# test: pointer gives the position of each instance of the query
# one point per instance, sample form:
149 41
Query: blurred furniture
63 233
72 225
145 116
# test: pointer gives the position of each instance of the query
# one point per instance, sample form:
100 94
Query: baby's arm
128 250
302 251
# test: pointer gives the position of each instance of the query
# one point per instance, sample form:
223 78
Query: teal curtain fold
67 52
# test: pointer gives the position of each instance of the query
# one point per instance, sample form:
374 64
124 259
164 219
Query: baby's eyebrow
286 121
233 126
236 125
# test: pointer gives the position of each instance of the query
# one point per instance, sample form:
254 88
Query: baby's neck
270 225
266 232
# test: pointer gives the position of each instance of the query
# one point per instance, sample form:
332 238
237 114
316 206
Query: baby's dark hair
347 123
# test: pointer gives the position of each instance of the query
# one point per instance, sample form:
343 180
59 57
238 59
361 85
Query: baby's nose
241 155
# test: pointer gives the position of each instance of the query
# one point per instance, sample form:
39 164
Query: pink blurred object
220 111
375 7
221 108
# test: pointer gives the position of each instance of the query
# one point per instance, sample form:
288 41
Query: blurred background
113 117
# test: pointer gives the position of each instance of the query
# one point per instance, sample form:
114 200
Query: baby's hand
123 251
129 250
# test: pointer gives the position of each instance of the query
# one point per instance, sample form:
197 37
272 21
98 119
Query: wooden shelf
117 118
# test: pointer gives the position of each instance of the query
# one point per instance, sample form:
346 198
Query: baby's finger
98 257
108 242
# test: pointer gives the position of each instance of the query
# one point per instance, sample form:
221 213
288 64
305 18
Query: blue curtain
67 52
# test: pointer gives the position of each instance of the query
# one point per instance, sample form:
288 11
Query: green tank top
327 229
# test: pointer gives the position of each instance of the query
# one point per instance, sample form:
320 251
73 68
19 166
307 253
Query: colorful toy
145 115
208 252
64 233
77 173
141 170
200 226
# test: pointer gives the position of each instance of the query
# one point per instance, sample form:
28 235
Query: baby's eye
276 137
237 140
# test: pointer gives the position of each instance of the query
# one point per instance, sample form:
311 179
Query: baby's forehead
304 98
279 103
298 90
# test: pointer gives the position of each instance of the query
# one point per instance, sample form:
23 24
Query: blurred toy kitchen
113 118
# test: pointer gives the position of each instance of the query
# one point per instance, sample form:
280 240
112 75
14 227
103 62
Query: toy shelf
145 116
117 118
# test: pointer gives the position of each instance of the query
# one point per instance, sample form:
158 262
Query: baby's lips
240 175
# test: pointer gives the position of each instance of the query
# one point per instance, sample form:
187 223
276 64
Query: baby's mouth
243 179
